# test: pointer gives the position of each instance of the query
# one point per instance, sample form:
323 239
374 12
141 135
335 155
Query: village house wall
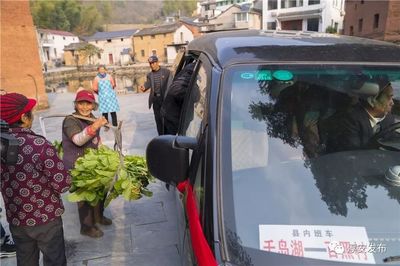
144 46
21 68
360 20
112 49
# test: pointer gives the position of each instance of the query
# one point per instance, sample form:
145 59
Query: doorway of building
110 59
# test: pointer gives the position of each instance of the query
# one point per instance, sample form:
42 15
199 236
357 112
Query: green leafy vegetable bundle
100 174
59 148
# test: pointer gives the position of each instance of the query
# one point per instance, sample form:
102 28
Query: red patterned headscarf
13 106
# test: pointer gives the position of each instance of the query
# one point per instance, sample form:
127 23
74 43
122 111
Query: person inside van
357 127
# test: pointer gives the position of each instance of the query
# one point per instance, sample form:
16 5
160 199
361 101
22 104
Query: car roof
254 46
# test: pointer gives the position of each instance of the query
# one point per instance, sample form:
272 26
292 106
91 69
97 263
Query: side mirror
168 157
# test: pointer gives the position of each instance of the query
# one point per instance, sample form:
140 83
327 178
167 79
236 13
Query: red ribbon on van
202 250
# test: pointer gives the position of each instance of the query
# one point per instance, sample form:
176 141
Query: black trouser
170 127
47 238
157 115
89 215
113 118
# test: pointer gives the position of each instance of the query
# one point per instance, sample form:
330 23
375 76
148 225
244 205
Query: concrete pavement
144 232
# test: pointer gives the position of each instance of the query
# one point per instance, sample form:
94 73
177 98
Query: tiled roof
167 28
248 8
190 21
56 32
126 51
245 7
75 46
111 35
258 5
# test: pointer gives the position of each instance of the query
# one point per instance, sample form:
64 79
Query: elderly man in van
357 127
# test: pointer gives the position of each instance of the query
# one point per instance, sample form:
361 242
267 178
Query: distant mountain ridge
135 11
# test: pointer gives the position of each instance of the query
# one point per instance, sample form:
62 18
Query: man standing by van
157 82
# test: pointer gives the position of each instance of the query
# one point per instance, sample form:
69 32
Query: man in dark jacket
157 82
357 127
172 104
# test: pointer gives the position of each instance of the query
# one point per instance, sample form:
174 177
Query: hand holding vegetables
98 123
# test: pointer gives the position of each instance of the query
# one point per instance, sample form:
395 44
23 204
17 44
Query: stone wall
21 68
126 76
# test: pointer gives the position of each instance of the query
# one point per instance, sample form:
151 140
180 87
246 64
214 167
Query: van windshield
315 161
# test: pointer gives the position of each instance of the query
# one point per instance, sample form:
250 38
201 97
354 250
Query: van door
194 121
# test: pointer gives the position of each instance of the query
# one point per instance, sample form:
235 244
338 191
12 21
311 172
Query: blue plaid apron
107 97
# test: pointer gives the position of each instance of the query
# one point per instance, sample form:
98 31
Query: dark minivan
288 150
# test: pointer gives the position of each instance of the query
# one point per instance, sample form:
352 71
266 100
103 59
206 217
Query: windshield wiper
391 259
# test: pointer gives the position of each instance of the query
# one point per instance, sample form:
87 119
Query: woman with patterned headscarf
32 188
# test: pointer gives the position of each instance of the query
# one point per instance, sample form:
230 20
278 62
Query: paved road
144 232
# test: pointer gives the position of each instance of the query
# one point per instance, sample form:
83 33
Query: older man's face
154 66
385 101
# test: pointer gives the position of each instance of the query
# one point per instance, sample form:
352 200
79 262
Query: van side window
195 105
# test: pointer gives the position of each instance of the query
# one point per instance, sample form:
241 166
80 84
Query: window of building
165 35
153 36
241 17
351 33
271 25
53 37
206 7
312 24
182 41
360 24
108 40
141 38
96 41
272 4
122 39
314 2
294 3
142 53
288 3
98 55
63 38
55 51
362 1
376 21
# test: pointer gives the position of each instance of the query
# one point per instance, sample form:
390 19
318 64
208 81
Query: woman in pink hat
77 135
32 188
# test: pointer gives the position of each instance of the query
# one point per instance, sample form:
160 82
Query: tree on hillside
41 12
90 21
179 7
72 10
70 15
59 20
106 12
